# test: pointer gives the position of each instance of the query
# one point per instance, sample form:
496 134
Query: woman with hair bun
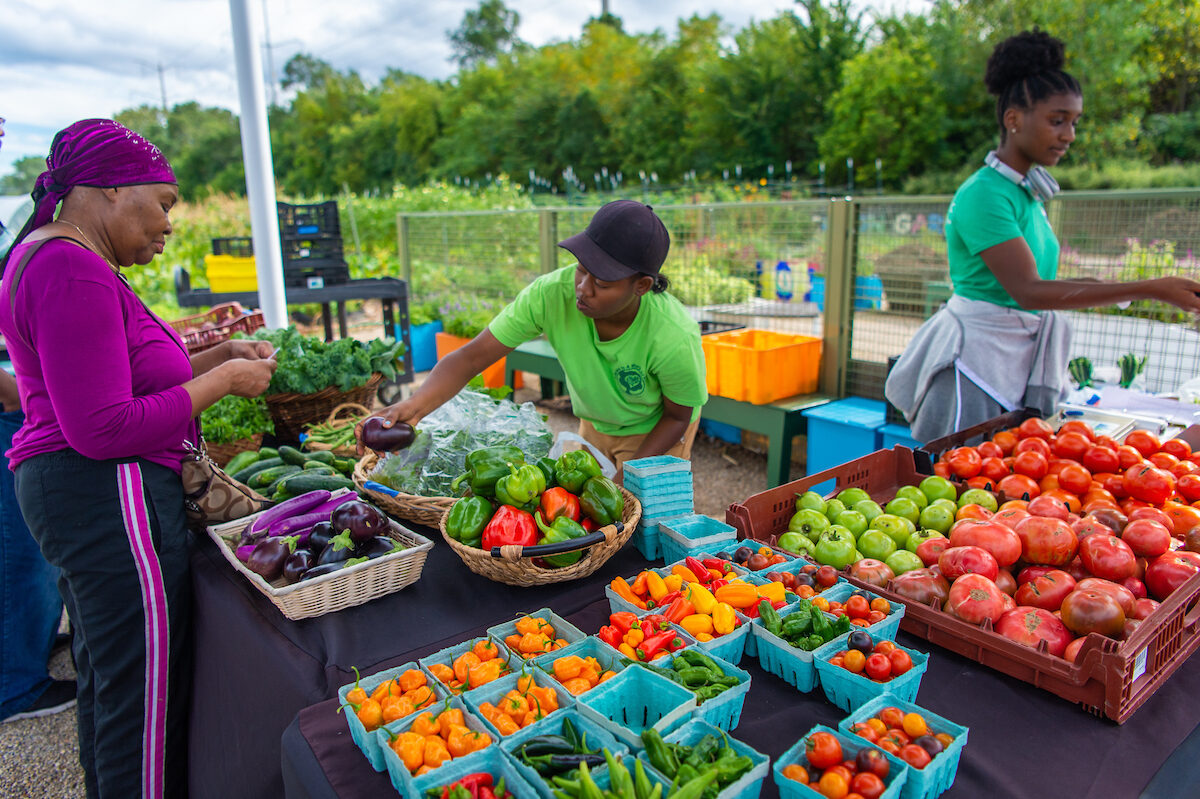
997 345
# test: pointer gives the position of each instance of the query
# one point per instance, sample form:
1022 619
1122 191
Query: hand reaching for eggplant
383 435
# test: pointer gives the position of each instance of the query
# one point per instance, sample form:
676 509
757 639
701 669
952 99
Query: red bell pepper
610 635
510 525
558 501
697 568
655 643
589 525
624 621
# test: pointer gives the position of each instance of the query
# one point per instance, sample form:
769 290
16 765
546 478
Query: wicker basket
338 420
223 453
345 588
292 412
412 507
228 318
512 569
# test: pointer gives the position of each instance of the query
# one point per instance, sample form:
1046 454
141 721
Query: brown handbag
210 495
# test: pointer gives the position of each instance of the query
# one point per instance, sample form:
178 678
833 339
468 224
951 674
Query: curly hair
1025 69
661 283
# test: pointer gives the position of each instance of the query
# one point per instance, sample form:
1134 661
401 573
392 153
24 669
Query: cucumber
294 485
345 465
267 476
241 461
255 468
325 456
292 456
316 467
268 452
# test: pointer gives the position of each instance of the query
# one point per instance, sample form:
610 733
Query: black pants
117 532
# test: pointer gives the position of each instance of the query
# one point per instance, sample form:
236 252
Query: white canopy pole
260 168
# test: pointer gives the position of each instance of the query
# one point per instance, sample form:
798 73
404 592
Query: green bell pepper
487 465
521 486
564 528
468 516
601 501
547 467
573 469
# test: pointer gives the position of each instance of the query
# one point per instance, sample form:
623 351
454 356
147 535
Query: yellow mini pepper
656 586
771 591
701 598
697 624
723 618
739 595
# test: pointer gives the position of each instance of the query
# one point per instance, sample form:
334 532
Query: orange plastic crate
761 366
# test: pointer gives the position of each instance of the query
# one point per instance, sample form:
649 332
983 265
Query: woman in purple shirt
110 396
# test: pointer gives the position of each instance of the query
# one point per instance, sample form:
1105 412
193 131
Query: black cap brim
599 263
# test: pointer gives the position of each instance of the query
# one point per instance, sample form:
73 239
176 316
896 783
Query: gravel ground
39 758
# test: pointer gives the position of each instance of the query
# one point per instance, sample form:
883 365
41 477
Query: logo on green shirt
631 379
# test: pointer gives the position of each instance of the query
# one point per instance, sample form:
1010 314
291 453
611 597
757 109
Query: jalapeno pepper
573 469
602 501
468 516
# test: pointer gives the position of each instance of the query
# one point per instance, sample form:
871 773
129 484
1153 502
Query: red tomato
1075 478
1073 648
974 598
1050 506
1135 587
973 510
1031 625
1006 440
867 785
823 750
1047 541
1167 572
1047 591
1070 445
1071 501
1093 612
1100 459
871 761
1006 582
1128 456
1010 517
1107 556
1189 487
931 549
1145 442
864 730
1090 525
1146 537
1177 447
1123 595
1031 464
1048 483
914 755
923 586
1110 517
1000 541
879 667
1182 517
1035 427
1076 569
1030 573
993 468
1077 426
1182 468
1143 607
872 571
1149 483
957 561
901 661
858 606
941 469
1163 460
1038 445
964 462
1112 483
980 481
1018 486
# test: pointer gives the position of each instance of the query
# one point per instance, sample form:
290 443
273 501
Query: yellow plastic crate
231 273
761 366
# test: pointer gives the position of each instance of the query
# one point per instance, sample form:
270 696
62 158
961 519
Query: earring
1012 130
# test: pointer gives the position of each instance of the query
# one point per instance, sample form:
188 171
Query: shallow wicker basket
223 453
421 510
345 588
340 417
512 569
292 412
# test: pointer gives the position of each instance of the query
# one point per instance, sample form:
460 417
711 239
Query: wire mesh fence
771 265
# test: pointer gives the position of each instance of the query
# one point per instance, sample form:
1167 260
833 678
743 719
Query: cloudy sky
63 60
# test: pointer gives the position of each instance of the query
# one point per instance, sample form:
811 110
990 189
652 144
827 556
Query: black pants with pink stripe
117 532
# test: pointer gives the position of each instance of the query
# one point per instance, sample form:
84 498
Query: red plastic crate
205 331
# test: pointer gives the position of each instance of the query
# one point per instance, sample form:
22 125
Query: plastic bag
468 421
607 468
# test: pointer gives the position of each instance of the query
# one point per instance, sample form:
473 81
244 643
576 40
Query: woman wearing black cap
990 349
630 351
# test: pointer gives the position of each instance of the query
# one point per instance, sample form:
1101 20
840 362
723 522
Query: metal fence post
548 239
402 240
839 295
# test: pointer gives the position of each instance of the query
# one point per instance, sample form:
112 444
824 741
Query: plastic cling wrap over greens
466 423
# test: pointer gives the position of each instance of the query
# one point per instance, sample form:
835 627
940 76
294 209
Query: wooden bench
778 421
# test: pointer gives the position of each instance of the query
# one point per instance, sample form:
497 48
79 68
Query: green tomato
978 496
913 493
853 521
919 537
935 487
903 507
896 527
811 500
835 548
869 508
833 507
937 517
796 543
948 504
849 496
876 544
902 561
809 522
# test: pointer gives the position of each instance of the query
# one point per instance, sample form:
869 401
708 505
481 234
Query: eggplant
269 555
318 571
296 523
319 537
298 563
364 521
292 507
377 547
339 549
243 552
377 435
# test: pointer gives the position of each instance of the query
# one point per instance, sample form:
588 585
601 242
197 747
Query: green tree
24 175
485 33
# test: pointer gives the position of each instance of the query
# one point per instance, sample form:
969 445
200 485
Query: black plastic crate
312 248
708 326
303 274
309 220
237 246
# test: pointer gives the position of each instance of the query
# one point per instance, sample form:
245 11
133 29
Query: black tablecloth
258 674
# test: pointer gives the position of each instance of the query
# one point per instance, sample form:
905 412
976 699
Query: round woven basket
514 570
292 412
223 453
347 414
421 510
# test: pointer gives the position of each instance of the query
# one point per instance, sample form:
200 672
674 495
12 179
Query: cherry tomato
914 725
892 717
878 667
1035 427
901 661
915 756
823 750
833 785
867 785
1070 445
864 730
858 607
872 761
1145 442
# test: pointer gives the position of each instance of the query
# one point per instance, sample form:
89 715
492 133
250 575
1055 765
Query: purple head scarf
95 152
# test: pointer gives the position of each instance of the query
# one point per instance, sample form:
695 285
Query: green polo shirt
989 209
616 385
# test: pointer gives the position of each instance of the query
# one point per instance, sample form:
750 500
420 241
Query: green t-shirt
616 385
989 209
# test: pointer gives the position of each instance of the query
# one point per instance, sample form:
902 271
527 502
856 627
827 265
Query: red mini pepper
655 643
716 563
679 609
510 525
610 635
558 501
653 622
624 621
472 783
697 568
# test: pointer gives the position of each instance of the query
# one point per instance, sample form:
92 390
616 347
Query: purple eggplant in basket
298 563
377 547
339 549
284 510
318 571
377 437
269 555
319 537
364 521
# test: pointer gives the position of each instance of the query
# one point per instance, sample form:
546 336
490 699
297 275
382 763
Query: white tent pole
260 168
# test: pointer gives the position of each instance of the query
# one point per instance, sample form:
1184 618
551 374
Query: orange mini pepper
485 649
411 748
639 585
463 664
625 591
411 680
436 752
442 672
483 673
426 724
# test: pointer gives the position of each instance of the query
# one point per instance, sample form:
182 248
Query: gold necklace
91 246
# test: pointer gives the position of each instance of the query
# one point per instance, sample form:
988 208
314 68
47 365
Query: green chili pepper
564 528
770 617
659 754
468 516
522 485
601 501
573 469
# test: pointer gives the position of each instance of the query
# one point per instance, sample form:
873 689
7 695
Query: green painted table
778 421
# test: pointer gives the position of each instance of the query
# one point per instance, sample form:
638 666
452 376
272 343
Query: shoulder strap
25 258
